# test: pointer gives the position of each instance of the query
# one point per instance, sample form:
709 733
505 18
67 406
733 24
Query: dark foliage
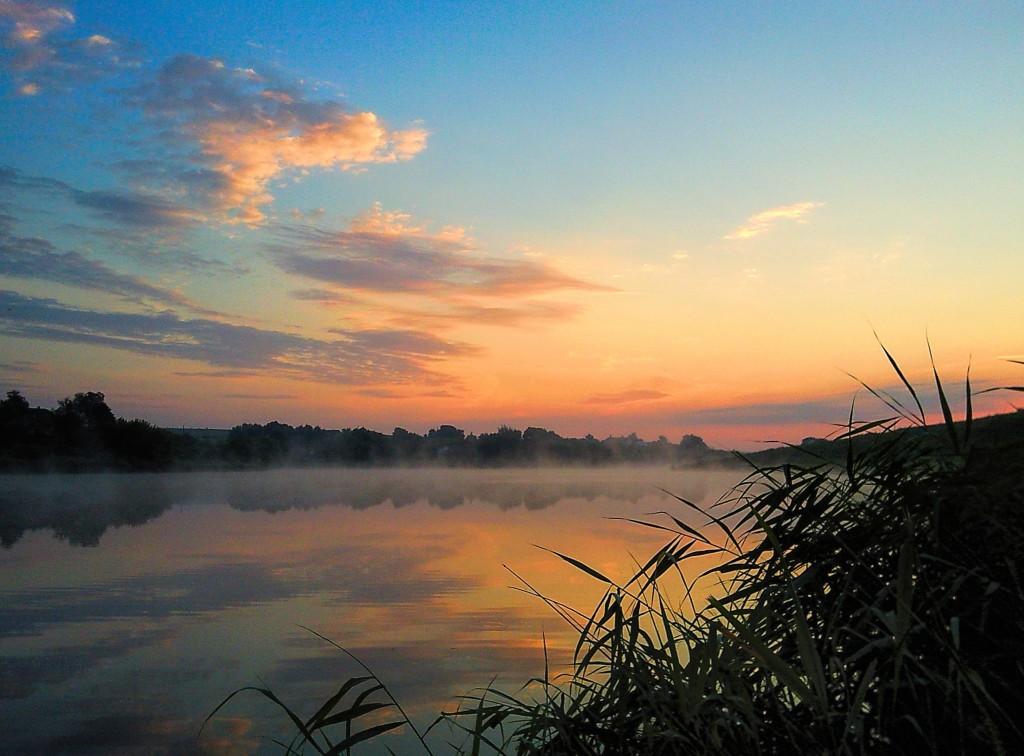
82 433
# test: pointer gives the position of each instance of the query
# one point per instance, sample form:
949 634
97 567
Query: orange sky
662 220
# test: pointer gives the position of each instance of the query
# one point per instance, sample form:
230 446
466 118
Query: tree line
82 433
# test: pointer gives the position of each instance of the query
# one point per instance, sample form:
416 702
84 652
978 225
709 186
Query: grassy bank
871 606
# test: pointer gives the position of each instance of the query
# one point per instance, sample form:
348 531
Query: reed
331 730
866 607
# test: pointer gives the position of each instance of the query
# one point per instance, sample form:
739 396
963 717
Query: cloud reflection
415 590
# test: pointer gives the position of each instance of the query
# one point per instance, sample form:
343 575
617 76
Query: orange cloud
250 131
33 21
761 222
37 47
508 316
383 252
627 397
367 357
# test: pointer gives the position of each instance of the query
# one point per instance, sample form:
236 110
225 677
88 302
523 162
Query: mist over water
130 605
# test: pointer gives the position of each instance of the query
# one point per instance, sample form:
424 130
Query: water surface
130 605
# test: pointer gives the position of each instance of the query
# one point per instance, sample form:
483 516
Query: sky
650 217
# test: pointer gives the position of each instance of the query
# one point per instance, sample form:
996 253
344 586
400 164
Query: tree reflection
79 510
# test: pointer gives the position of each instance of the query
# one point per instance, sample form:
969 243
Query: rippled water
131 605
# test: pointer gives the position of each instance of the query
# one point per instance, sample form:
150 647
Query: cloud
454 312
382 252
133 209
249 129
23 675
381 393
38 259
28 24
324 296
354 358
42 54
136 209
507 317
626 397
314 214
761 222
147 227
821 409
263 397
216 373
19 367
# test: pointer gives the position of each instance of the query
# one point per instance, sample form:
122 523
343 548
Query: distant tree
138 445
501 447
693 450
446 433
538 435
255 444
82 426
540 444
14 405
692 444
88 411
362 446
15 417
449 444
24 432
408 446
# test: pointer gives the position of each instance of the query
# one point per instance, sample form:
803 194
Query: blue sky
599 219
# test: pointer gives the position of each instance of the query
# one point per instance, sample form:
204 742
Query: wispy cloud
446 314
383 252
136 210
324 296
367 357
626 397
263 397
821 410
42 53
250 128
759 223
307 215
38 259
508 316
19 367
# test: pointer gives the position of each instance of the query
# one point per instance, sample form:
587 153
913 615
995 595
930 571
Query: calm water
131 605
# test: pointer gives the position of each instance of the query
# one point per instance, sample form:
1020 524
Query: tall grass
338 725
870 606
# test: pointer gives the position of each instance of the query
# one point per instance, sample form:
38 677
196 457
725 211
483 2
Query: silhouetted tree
15 405
137 445
15 418
255 444
501 447
693 450
81 427
408 446
87 410
24 432
363 446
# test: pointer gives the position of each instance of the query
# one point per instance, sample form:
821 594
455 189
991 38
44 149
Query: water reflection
78 509
81 508
126 646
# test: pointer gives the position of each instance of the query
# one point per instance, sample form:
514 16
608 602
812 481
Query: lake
131 605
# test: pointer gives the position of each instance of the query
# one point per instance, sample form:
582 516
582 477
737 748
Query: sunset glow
661 218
